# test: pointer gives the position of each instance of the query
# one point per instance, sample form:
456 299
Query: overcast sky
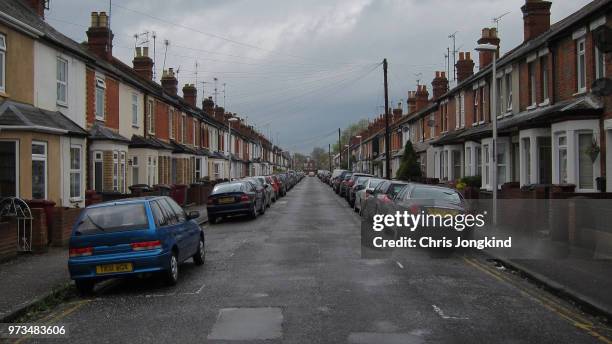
301 69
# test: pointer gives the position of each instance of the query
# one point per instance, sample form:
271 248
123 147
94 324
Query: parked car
235 198
383 194
362 194
342 187
268 190
282 185
275 187
334 177
351 185
131 237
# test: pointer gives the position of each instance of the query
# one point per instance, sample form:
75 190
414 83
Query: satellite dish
602 87
431 123
603 38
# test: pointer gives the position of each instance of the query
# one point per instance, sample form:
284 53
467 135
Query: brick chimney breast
38 6
190 94
439 85
169 82
536 18
99 36
465 66
143 64
489 36
411 102
208 106
422 97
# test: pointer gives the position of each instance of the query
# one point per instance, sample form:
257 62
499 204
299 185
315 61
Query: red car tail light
210 200
245 198
146 245
81 251
350 183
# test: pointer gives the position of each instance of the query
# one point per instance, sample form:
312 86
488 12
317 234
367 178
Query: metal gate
16 208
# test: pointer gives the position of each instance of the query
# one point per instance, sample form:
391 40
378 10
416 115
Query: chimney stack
489 36
439 85
536 18
208 106
169 82
99 36
411 102
422 97
190 94
143 64
219 112
465 66
38 6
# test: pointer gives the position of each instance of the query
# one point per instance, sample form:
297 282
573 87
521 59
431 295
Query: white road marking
444 316
199 290
400 265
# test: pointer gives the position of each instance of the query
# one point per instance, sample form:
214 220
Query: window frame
600 69
100 87
135 99
151 113
560 148
171 123
531 75
581 69
60 82
508 91
544 77
95 160
42 158
3 50
78 171
135 170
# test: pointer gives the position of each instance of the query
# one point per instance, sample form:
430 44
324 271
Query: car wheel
263 208
172 272
200 256
85 287
212 219
253 214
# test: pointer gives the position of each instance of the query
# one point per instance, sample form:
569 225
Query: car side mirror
194 214
369 191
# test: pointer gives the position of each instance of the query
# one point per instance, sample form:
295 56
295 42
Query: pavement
295 275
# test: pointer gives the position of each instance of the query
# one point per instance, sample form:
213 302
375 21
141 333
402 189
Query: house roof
28 117
98 132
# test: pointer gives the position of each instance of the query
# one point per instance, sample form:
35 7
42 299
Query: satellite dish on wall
602 87
603 38
431 123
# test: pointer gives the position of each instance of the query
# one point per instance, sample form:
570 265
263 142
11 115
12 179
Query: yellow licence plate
441 212
226 200
114 268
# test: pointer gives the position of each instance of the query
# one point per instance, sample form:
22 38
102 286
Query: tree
320 157
298 161
409 168
350 131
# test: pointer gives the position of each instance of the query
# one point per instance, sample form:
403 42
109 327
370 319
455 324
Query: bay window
98 169
562 158
75 172
585 164
9 169
115 171
135 170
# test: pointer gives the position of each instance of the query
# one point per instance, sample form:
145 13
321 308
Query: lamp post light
360 162
493 171
229 143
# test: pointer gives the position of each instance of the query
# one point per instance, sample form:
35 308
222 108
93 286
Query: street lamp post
229 143
493 171
360 162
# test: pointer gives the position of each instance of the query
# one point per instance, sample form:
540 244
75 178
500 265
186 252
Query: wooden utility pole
387 133
339 150
329 156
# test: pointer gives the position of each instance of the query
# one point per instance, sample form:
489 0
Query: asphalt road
295 275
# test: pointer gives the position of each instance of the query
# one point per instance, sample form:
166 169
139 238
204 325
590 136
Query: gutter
21 26
34 128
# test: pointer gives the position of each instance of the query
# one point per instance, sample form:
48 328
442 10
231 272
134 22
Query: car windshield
362 180
113 218
224 188
394 189
374 183
436 194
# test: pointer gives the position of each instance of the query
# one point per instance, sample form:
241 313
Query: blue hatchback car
131 237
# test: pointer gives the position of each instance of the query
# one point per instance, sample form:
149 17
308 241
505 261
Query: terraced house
74 118
553 118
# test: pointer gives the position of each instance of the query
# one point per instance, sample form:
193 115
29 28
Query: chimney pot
100 37
485 58
145 51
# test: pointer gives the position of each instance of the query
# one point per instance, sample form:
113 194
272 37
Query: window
151 124
585 164
151 162
502 163
122 180
562 143
581 65
468 161
532 83
508 91
462 110
39 170
98 169
217 170
75 171
9 168
171 123
115 171
485 158
477 157
100 97
500 97
600 64
183 128
193 131
527 160
457 112
456 164
198 169
135 168
2 62
135 110
483 108
476 106
544 78
62 81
